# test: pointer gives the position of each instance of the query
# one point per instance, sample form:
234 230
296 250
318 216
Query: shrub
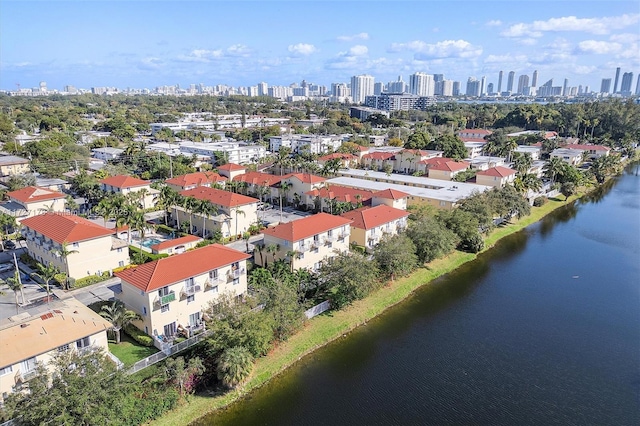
138 335
28 260
91 279
138 254
540 201
166 230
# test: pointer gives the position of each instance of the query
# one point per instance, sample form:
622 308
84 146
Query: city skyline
148 44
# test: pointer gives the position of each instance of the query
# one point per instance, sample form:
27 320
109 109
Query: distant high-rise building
483 86
263 89
625 86
397 86
564 87
339 91
447 87
378 88
473 87
523 81
500 82
534 79
490 88
605 86
438 77
512 75
456 88
638 85
615 84
361 87
421 84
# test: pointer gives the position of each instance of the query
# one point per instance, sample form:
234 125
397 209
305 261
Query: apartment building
170 294
321 199
232 213
305 243
409 160
496 176
370 224
231 170
34 338
125 185
32 201
194 180
298 184
442 168
74 245
11 165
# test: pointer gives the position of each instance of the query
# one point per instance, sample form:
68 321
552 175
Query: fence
317 310
166 352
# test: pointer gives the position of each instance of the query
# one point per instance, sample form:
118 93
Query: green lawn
129 351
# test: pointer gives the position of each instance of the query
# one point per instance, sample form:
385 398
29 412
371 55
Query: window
76 245
316 238
164 291
164 308
330 233
214 289
121 263
236 281
28 365
64 348
194 319
213 274
144 311
191 298
6 370
83 343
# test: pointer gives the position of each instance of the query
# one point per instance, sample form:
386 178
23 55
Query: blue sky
151 43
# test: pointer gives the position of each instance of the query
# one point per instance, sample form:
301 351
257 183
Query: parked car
9 245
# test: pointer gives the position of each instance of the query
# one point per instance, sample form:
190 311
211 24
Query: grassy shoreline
325 328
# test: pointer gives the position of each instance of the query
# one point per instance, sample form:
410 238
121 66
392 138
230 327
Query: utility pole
15 262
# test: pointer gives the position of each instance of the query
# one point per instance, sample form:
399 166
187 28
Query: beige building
409 160
170 294
231 170
29 340
12 165
298 184
569 156
442 168
305 243
32 201
378 160
369 225
125 185
346 160
176 246
390 197
92 249
194 180
233 214
496 176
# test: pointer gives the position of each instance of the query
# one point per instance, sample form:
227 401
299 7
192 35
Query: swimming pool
148 242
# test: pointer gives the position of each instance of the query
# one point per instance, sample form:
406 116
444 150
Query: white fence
317 310
167 352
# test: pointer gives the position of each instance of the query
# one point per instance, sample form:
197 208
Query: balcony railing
315 245
163 300
342 236
191 290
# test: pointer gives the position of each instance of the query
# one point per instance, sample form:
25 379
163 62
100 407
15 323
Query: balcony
163 300
191 290
342 236
329 238
315 245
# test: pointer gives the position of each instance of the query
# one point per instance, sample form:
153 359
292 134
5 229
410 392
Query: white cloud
358 50
572 23
302 48
598 47
500 59
625 38
440 50
528 41
359 36
150 63
238 50
494 23
585 69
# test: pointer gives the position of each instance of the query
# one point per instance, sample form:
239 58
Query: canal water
542 330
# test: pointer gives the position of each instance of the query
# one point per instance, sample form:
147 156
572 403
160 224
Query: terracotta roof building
369 225
495 176
122 184
193 180
171 293
32 201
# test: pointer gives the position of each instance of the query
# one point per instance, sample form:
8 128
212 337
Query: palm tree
522 163
46 274
234 366
291 256
246 236
64 253
118 315
273 249
141 196
284 188
136 221
15 284
260 249
553 168
238 211
190 204
206 208
70 204
168 197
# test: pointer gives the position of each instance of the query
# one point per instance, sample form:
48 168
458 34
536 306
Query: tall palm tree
118 315
554 168
291 256
284 188
190 204
46 274
167 197
15 284
64 253
234 366
522 163
273 249
260 248
136 221
206 208
238 211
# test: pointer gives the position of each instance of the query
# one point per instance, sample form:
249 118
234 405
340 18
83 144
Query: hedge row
135 253
138 335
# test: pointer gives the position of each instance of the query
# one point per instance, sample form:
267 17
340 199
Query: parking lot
271 214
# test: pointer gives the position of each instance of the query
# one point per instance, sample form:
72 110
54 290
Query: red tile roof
368 218
231 167
497 171
341 193
391 194
123 181
307 177
445 164
587 147
306 227
258 178
218 196
32 194
339 156
420 152
379 156
66 228
175 242
174 269
197 178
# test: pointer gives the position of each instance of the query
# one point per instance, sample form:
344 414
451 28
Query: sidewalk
94 293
